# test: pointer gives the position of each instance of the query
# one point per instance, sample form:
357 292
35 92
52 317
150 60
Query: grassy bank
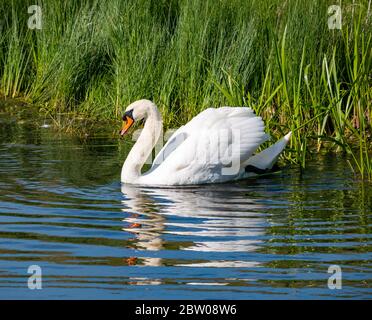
279 57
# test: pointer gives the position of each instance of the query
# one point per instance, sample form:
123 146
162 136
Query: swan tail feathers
266 159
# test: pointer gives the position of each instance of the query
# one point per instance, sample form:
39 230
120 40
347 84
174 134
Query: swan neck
141 150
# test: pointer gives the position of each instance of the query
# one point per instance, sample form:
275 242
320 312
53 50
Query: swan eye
128 114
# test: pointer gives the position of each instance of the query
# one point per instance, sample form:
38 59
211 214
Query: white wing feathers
212 140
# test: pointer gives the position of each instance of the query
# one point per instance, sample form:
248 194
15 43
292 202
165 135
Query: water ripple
62 208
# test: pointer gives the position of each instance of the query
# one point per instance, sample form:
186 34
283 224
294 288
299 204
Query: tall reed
278 57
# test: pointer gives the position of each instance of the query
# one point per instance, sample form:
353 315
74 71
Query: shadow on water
63 208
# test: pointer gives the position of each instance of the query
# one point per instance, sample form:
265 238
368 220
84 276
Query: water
63 208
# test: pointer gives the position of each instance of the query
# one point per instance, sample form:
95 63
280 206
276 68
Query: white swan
215 146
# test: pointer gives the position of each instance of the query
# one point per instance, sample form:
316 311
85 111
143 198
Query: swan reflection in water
232 221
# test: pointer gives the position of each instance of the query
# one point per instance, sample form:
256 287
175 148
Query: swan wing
214 140
173 142
180 135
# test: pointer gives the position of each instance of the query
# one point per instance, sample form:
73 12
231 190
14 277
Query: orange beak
127 123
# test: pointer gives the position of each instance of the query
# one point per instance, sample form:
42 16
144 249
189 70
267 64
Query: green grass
92 58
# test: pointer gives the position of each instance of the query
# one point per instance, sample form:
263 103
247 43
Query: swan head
136 111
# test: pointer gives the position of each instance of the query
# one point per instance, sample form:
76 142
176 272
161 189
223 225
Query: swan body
215 146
